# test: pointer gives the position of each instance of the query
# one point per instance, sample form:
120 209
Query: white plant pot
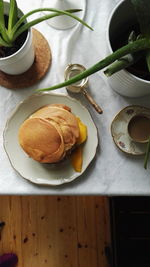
22 60
123 82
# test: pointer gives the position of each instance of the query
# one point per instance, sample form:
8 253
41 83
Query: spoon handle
92 101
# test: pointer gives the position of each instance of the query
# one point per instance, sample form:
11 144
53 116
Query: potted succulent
134 17
134 79
16 35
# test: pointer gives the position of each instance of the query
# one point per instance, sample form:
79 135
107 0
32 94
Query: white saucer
47 174
119 130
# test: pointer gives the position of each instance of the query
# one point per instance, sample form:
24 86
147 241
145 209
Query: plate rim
13 112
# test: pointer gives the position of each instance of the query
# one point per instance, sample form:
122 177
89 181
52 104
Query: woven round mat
38 69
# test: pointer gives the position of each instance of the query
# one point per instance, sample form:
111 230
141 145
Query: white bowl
123 82
48 174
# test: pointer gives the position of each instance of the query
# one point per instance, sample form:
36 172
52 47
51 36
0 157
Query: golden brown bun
65 119
41 140
49 133
61 106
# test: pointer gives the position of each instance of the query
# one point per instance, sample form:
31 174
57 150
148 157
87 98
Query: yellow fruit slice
82 132
77 154
77 159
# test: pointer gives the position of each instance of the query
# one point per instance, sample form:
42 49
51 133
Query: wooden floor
55 231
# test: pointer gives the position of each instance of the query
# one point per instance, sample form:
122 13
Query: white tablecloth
112 172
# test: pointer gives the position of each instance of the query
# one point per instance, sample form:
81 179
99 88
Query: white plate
119 130
32 170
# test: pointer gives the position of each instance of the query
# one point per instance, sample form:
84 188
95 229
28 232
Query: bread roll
60 115
65 119
49 133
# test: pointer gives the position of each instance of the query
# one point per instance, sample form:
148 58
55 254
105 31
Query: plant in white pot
16 50
129 21
135 47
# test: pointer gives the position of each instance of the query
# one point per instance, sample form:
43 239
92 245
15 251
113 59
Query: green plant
147 154
16 26
135 47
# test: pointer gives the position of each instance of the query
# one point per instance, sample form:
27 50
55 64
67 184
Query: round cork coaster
38 69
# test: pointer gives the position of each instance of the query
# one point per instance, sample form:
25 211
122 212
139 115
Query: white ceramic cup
22 60
123 82
65 22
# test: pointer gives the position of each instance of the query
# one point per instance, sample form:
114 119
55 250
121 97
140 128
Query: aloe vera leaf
147 154
36 21
122 63
13 15
132 37
141 44
4 35
2 23
24 17
3 43
148 59
2 20
142 9
125 61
